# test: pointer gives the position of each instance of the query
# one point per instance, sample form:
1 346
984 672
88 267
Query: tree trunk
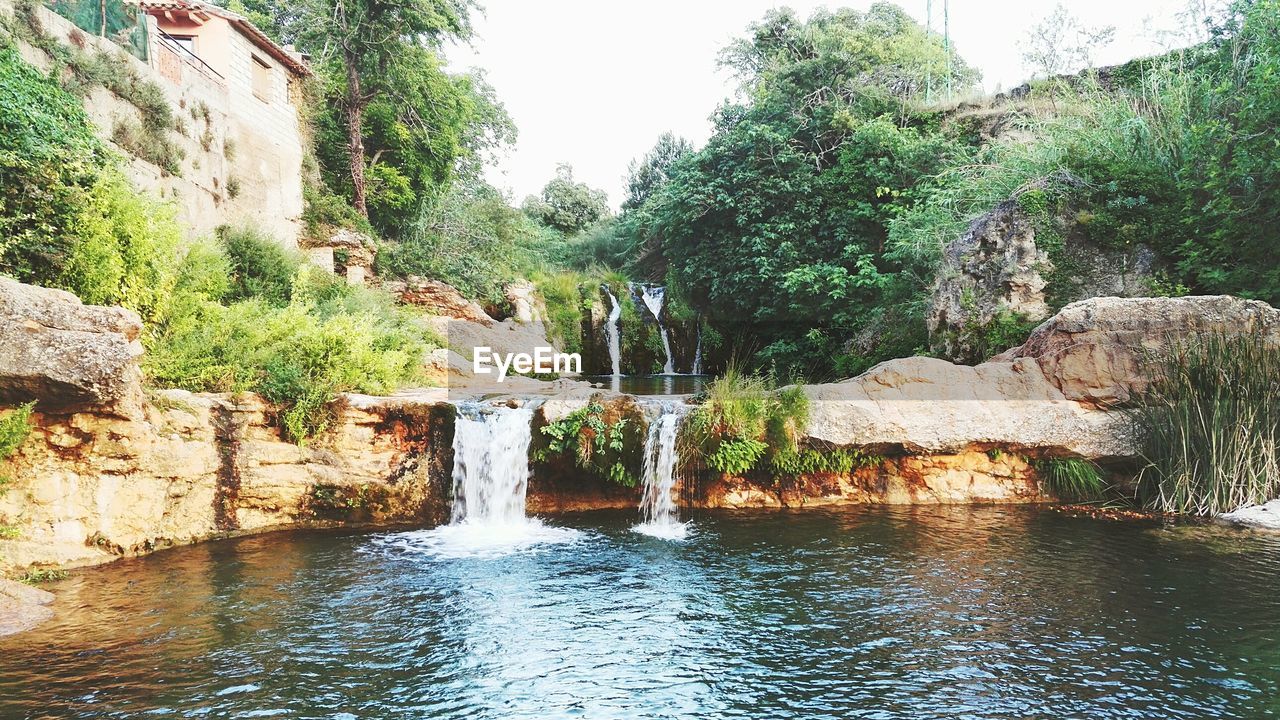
355 136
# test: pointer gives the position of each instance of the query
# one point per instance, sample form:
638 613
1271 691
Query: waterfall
697 353
490 479
490 465
654 296
612 333
659 514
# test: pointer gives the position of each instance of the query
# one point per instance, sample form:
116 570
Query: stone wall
242 157
88 488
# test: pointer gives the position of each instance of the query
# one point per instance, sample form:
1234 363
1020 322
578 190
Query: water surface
877 613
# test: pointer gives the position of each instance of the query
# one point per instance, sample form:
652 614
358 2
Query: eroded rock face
969 476
930 406
439 298
1094 351
997 267
90 487
68 355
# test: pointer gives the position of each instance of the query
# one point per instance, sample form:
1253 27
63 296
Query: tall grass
1071 479
1210 426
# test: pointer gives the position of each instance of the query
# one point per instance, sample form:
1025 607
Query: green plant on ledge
15 427
1071 479
606 449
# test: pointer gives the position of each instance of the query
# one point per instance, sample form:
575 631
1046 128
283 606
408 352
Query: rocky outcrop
999 270
438 298
91 487
67 355
971 476
1095 351
526 306
924 405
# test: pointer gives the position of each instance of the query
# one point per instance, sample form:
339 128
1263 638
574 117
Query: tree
422 132
652 172
1062 44
567 206
372 42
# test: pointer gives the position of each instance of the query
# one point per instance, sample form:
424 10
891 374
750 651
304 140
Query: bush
1210 426
742 421
15 427
260 267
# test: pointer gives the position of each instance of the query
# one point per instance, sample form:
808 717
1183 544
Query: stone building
252 83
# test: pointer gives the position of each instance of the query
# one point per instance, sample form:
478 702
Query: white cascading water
659 514
612 333
654 297
697 353
490 465
490 480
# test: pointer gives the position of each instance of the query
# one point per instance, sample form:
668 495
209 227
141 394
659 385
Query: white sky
594 82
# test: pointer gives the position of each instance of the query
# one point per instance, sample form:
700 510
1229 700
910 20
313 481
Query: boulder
526 306
1261 517
927 405
67 355
1094 351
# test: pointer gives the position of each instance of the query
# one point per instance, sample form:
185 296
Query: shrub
742 421
260 267
1210 426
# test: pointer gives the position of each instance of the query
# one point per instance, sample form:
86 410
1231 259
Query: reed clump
1209 426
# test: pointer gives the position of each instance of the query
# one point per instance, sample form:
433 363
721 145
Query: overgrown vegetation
1210 426
608 448
745 427
15 427
235 313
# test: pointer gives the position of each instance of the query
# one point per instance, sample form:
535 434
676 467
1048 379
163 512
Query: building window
261 79
183 42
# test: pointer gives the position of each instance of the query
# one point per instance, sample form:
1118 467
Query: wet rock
1262 517
22 607
67 355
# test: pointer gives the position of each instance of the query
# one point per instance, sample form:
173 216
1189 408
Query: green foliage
322 338
15 427
150 136
777 227
977 342
37 576
606 449
743 421
1210 426
647 175
567 206
566 304
260 267
1071 479
470 239
808 461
